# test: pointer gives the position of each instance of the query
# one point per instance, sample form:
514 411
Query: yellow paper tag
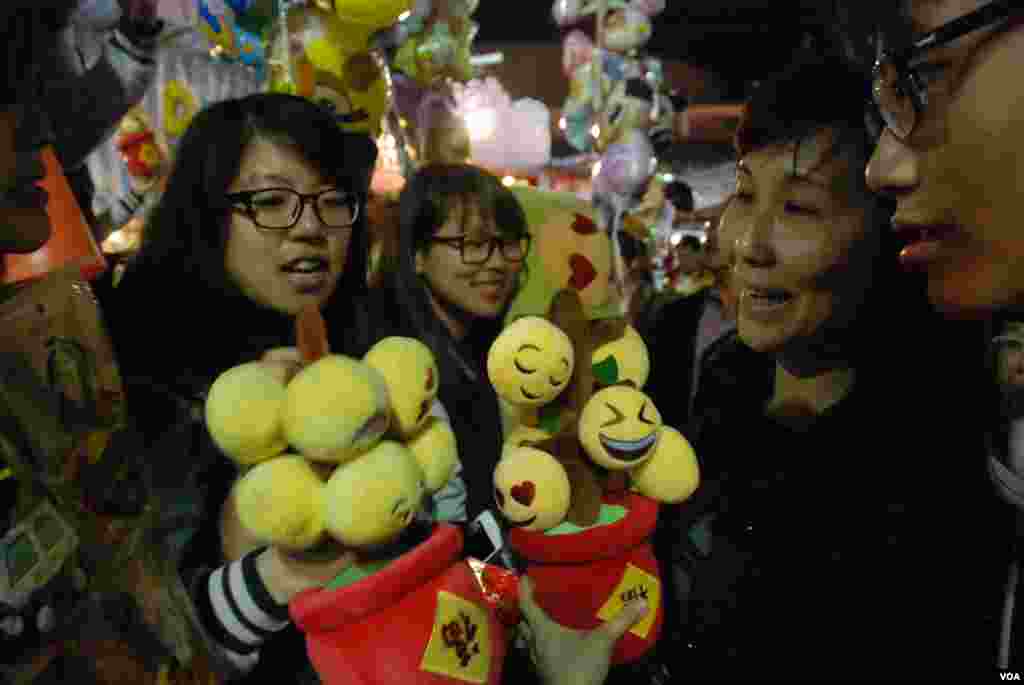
460 644
635 584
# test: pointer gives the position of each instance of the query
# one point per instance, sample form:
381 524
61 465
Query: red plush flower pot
582 579
422 620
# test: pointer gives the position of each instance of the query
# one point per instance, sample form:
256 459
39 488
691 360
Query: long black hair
427 202
195 312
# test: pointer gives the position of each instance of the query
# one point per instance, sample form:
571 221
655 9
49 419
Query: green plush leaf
607 371
550 419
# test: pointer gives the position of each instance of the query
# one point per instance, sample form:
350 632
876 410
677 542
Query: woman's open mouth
923 242
764 301
307 274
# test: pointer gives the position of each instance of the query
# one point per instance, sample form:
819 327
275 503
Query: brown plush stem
311 334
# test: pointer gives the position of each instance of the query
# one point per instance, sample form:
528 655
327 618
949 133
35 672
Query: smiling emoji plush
371 500
620 427
410 374
531 489
335 409
531 362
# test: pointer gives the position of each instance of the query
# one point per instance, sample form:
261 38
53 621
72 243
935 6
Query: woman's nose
754 242
893 168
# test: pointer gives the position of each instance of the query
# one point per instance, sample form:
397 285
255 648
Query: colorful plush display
597 438
327 59
364 463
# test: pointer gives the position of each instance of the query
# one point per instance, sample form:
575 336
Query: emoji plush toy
599 443
365 451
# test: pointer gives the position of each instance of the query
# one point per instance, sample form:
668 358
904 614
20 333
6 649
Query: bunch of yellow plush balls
364 452
530 364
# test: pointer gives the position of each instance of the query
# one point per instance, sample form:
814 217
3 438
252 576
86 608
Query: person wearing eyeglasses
462 247
952 151
947 89
262 216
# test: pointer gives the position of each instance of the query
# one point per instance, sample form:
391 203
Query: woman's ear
420 262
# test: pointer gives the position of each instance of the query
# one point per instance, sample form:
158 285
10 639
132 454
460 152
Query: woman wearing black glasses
462 245
262 215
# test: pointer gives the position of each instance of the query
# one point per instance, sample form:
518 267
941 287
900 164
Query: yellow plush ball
436 452
378 14
335 409
243 413
531 489
371 500
280 501
626 358
410 372
671 475
619 427
531 362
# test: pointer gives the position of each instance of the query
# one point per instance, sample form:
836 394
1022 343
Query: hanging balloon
626 168
376 14
442 134
577 50
567 12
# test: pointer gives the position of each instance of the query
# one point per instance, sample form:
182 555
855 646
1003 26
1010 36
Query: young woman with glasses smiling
462 245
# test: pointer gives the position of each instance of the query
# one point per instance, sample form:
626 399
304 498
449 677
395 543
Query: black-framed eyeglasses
477 252
899 91
279 209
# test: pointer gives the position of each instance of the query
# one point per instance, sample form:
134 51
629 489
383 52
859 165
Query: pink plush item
422 620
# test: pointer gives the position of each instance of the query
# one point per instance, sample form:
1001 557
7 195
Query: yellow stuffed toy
328 59
350 479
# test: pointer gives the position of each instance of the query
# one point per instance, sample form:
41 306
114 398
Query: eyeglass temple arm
965 24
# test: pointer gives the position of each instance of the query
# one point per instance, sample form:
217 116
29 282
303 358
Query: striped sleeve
238 611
